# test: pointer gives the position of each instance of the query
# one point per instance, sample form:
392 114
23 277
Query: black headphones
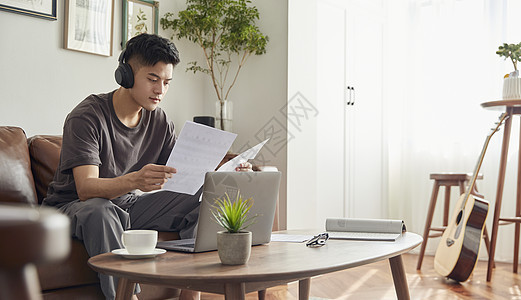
124 75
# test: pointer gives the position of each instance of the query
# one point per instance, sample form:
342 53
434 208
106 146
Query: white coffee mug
139 241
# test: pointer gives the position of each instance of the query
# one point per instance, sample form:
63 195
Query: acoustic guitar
458 250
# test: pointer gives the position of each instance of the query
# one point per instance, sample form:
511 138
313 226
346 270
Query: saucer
125 254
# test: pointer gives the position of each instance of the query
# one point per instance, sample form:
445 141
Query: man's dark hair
149 49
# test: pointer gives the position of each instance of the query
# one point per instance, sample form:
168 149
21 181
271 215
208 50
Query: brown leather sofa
27 167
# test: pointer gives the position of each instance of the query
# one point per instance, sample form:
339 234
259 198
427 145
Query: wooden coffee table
270 265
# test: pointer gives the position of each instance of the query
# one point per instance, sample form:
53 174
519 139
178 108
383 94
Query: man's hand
244 167
152 177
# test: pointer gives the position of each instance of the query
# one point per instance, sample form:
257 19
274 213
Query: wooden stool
447 180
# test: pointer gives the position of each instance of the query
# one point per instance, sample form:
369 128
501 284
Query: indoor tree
226 32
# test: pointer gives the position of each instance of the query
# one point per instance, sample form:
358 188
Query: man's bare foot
134 297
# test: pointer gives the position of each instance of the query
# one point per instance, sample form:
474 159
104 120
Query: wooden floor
374 281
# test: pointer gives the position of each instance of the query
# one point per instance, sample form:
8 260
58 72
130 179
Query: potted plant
512 51
511 82
233 243
226 32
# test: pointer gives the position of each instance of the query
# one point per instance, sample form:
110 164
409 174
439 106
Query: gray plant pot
234 248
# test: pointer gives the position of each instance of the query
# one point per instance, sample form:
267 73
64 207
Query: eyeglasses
318 240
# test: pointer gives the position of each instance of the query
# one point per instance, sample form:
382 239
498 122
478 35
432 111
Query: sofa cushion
45 156
74 271
16 180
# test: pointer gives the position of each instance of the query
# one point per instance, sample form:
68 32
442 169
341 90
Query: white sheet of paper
230 165
292 238
198 149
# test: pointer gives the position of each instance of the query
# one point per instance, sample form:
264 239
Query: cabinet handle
350 95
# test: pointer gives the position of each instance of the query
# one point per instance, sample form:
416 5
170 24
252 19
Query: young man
117 143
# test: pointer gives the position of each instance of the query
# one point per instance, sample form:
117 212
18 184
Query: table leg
446 206
234 291
499 193
125 289
518 209
303 288
428 222
261 294
399 278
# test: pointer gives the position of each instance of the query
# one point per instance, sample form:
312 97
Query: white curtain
441 65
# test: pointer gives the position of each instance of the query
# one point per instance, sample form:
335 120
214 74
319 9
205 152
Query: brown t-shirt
93 135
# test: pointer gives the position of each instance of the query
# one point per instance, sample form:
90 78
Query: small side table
511 107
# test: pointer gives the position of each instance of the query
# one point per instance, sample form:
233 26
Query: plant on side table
512 51
226 32
234 243
512 81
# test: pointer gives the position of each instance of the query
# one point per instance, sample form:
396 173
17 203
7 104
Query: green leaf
233 215
510 51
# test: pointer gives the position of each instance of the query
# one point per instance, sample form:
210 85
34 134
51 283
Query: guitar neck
472 183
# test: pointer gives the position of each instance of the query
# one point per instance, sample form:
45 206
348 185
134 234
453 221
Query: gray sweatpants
99 223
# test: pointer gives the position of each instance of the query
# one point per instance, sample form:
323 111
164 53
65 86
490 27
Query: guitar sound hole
460 216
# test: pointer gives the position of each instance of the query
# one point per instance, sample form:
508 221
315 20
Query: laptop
263 187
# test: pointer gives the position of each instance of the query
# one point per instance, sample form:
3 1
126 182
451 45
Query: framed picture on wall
89 26
139 16
45 9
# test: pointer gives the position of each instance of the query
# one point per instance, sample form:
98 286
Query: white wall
40 82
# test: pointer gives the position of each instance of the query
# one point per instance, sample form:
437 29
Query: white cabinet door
350 124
